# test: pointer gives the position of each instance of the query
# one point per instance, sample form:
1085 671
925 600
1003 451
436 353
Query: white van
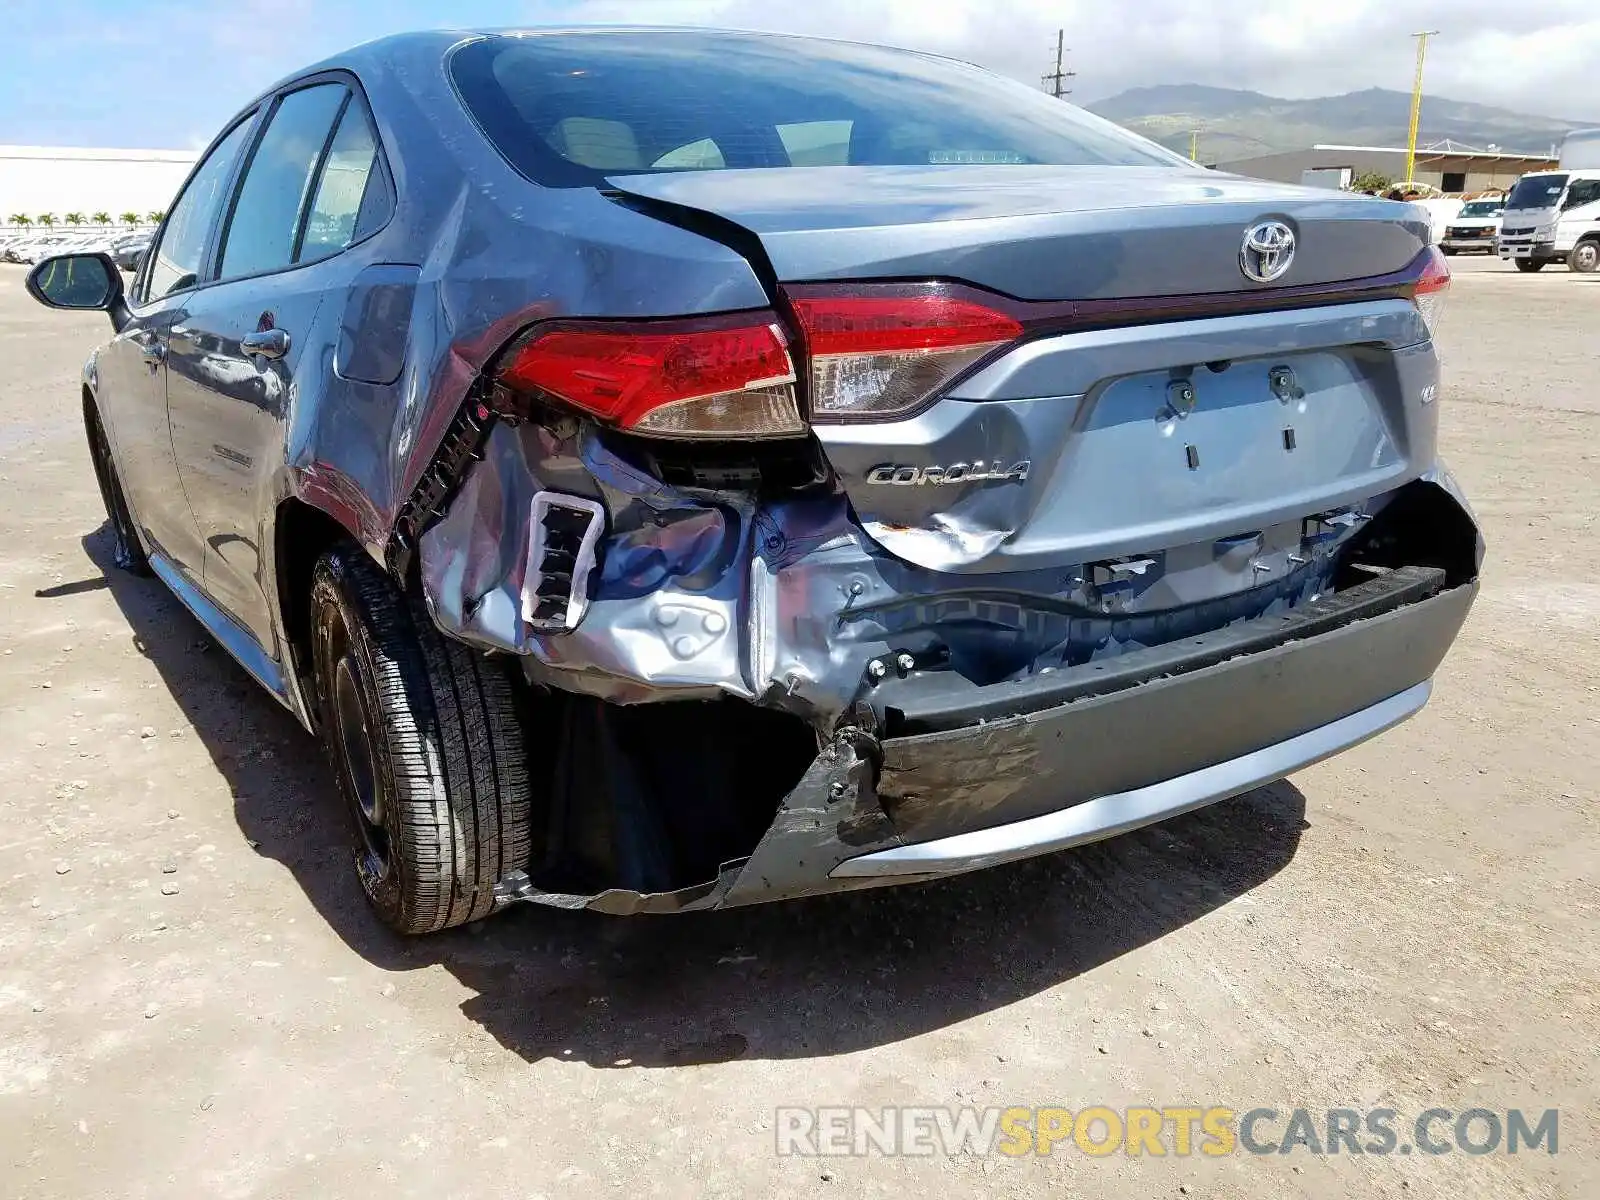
1554 216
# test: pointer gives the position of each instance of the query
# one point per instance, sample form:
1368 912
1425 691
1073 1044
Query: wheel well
301 535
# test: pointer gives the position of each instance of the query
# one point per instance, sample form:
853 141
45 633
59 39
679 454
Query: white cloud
1538 56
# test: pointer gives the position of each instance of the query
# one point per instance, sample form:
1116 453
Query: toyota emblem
1267 251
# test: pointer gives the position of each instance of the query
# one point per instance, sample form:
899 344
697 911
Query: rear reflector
1432 289
880 352
722 378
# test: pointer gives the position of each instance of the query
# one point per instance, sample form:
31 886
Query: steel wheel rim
354 738
1588 257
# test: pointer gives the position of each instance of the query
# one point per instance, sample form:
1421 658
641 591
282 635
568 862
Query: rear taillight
877 352
720 378
1432 289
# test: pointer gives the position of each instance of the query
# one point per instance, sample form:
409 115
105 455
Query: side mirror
79 281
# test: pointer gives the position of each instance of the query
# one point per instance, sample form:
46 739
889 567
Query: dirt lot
194 1001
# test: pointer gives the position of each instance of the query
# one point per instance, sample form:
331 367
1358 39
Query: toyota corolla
678 469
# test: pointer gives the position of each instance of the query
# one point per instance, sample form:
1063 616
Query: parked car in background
33 249
129 252
28 246
1474 228
796 467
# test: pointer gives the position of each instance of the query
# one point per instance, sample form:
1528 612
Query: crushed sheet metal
700 593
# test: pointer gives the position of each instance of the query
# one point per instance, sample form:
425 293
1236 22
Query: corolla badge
1267 252
977 471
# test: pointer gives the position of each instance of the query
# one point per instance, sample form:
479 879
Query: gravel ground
194 1001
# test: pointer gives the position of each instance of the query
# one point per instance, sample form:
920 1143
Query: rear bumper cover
1118 812
1204 722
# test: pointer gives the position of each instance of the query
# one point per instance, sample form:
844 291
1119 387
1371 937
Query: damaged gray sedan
678 469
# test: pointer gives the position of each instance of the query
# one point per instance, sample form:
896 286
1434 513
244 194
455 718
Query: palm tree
48 220
101 217
22 219
155 217
74 218
130 218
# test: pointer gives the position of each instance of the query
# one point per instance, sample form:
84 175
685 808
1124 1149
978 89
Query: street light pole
1416 101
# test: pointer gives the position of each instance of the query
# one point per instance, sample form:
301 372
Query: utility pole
1056 80
1416 101
1194 145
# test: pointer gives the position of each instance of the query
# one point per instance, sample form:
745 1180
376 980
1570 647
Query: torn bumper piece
1163 731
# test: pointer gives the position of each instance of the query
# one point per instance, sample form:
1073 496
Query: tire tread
451 742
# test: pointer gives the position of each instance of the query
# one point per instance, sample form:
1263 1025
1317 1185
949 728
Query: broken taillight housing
726 378
878 351
1432 289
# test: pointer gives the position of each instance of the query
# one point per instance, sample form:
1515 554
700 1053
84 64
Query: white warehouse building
63 179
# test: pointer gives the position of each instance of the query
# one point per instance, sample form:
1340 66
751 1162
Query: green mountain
1238 124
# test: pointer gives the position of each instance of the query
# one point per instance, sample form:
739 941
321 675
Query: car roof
435 44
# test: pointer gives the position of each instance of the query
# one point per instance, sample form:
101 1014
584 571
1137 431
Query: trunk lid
1039 232
1089 444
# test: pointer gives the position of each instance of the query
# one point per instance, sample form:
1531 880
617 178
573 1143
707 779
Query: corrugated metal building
1451 169
63 179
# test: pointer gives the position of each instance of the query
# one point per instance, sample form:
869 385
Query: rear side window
567 109
174 260
347 176
277 183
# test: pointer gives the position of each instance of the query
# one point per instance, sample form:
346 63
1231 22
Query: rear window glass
568 109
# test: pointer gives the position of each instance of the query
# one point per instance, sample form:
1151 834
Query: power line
1055 81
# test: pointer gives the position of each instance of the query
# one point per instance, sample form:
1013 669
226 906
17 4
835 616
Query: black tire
1585 256
126 550
425 740
1529 264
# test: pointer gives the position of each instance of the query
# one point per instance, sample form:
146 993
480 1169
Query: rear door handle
269 343
153 351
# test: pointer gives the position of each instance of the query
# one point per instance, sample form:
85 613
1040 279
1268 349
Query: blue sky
167 74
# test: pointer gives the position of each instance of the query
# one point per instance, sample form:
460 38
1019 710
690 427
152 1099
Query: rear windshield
1537 191
569 109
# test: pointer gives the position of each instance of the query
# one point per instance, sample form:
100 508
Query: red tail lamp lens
729 382
1432 289
887 324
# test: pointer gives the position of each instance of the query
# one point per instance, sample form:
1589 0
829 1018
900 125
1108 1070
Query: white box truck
1554 216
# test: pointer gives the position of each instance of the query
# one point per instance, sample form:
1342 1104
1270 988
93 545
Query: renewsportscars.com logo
1176 1130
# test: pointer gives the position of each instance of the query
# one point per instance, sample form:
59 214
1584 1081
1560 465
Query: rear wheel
126 552
427 747
1529 264
1585 257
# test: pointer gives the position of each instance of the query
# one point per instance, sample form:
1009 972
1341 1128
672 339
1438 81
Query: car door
130 372
234 356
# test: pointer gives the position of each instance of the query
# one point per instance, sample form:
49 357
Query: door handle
268 343
153 351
